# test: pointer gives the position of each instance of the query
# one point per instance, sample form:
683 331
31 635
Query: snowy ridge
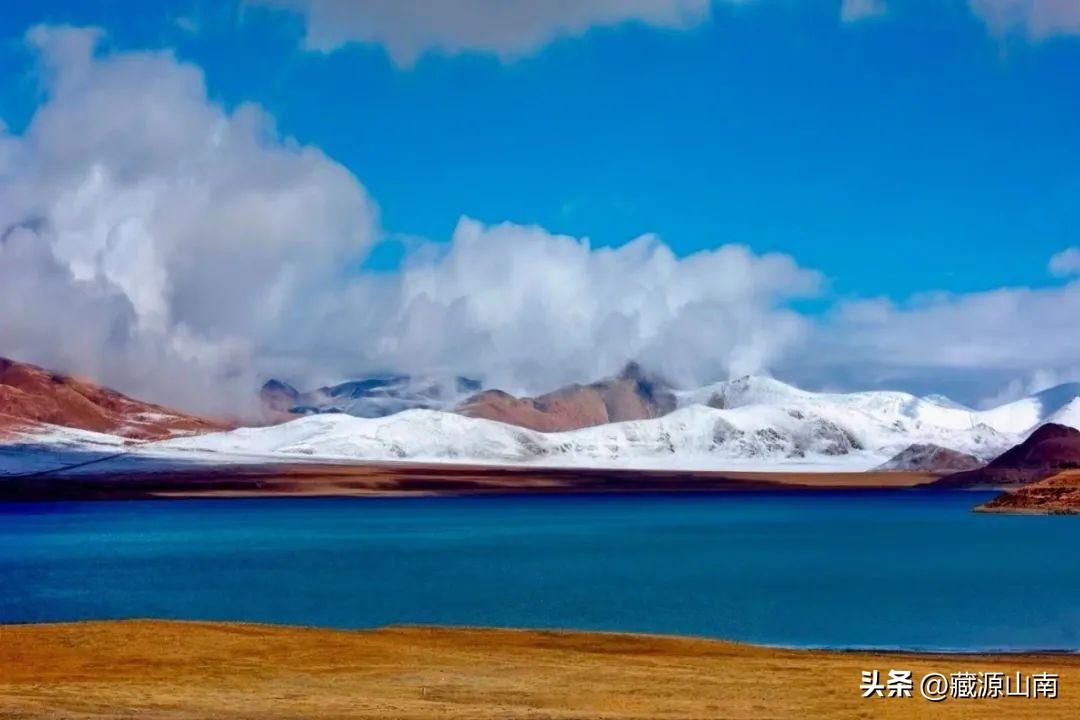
1014 418
375 395
691 437
748 423
1024 415
1068 414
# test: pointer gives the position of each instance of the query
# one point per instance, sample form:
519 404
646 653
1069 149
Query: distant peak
632 371
275 384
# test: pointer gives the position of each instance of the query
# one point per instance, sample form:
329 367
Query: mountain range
632 419
635 394
369 396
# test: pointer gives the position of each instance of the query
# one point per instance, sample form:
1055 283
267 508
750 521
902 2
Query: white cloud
1066 262
507 28
1037 19
533 310
154 240
1036 381
512 29
856 10
176 250
977 341
187 23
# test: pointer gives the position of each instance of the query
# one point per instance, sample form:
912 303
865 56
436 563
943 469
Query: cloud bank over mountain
979 341
159 243
162 244
537 310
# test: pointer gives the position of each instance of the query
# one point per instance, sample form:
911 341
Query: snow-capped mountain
751 421
1014 418
370 396
1067 415
1024 415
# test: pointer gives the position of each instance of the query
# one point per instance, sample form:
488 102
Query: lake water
911 569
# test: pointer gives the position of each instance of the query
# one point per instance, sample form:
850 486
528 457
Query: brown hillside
30 395
631 395
1047 451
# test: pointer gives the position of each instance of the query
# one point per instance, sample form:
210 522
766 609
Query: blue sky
920 151
900 154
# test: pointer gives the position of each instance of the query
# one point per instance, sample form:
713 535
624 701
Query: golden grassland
182 670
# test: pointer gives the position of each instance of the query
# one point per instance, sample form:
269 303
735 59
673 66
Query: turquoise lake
909 569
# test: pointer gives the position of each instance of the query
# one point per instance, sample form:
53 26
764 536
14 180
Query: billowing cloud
176 250
1036 19
533 310
173 249
154 240
507 28
1066 262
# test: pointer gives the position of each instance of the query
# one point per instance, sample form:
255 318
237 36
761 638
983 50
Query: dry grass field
179 671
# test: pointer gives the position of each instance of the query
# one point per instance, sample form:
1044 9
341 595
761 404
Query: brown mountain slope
631 395
30 395
1049 450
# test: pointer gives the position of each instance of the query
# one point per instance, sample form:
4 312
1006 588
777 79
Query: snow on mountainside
1015 418
419 434
749 422
885 406
693 436
1067 415
1024 415
746 422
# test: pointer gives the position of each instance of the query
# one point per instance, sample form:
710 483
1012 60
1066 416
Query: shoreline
192 669
397 479
562 631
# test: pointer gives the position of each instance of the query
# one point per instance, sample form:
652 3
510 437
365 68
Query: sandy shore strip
181 670
408 478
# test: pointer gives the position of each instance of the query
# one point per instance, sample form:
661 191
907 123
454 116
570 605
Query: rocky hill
931 458
1049 450
31 396
631 395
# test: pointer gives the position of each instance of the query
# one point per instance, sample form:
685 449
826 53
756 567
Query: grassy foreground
155 669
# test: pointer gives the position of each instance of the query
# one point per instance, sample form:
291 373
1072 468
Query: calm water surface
887 569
